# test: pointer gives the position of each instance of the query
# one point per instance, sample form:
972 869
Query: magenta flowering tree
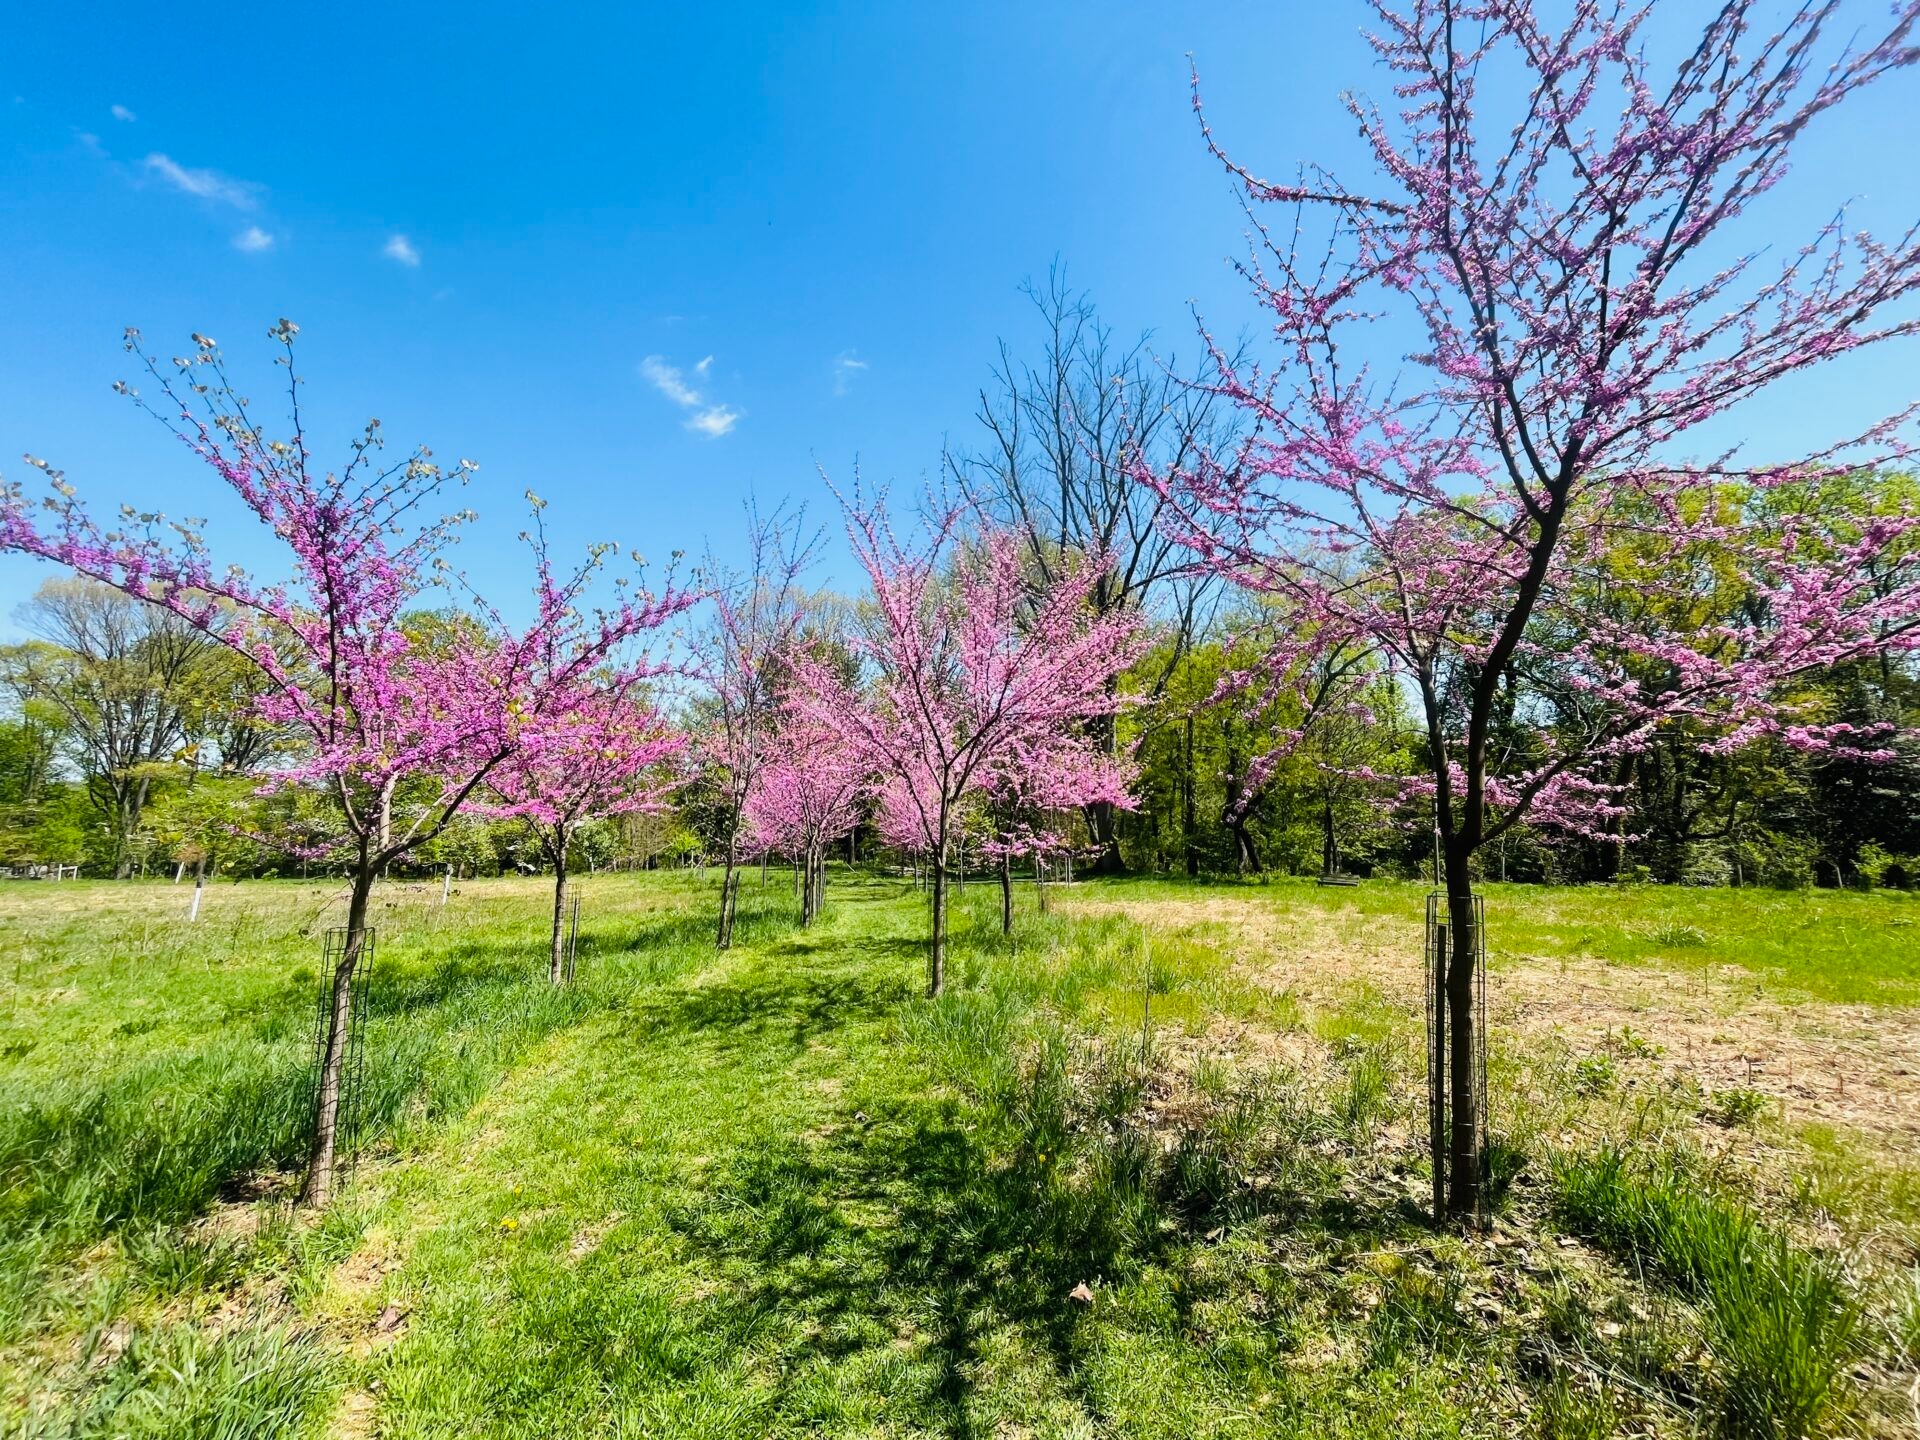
902 800
971 670
594 754
401 721
809 795
741 662
1026 789
1553 233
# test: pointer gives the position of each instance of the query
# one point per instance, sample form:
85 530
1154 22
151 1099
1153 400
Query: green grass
1782 1321
184 1382
842 1209
779 1192
153 1067
1821 944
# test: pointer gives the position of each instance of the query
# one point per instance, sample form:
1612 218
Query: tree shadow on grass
923 1222
794 1006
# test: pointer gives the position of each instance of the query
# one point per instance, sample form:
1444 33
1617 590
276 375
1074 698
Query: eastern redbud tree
740 662
1032 784
974 664
593 755
383 706
1487 363
809 795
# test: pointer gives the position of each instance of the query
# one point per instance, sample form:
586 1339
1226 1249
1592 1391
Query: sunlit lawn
779 1192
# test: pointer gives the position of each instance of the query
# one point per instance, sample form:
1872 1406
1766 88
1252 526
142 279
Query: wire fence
1445 947
350 1112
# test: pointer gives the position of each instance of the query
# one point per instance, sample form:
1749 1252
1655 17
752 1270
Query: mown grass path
749 1203
558 1269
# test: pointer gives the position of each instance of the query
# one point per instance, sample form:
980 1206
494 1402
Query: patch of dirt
241 1219
587 1239
1852 1066
356 1416
360 1275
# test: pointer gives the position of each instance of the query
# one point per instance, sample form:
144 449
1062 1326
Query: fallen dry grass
1855 1067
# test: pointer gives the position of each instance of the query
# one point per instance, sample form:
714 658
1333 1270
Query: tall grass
181 1382
157 1141
1781 1321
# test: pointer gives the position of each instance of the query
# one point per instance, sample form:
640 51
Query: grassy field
1149 1169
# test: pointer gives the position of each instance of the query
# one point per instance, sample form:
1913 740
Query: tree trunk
1463 1151
317 1189
1246 856
1040 884
1101 827
1006 893
1100 823
729 899
133 801
1329 845
1189 822
557 966
809 891
937 948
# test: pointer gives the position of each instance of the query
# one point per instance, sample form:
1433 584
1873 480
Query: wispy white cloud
715 421
253 240
90 142
711 419
207 184
400 248
845 367
121 112
667 380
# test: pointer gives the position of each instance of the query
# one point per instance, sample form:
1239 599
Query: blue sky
518 233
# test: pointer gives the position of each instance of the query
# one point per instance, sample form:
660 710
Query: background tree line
127 744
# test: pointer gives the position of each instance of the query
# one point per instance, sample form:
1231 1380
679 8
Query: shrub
1880 867
1783 862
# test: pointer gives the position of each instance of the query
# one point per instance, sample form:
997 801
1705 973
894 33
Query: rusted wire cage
349 1117
1441 943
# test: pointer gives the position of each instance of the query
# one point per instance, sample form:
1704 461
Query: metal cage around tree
571 952
350 1116
1442 940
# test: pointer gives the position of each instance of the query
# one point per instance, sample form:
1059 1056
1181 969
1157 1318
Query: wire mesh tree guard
572 947
350 1115
1442 941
